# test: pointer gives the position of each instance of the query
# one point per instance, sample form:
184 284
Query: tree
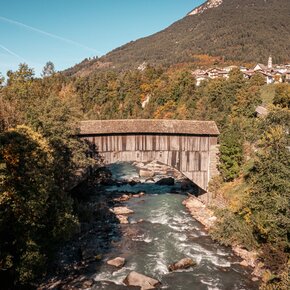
34 212
231 153
10 115
269 199
22 87
48 69
282 95
24 73
58 123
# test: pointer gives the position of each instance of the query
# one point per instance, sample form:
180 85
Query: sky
68 31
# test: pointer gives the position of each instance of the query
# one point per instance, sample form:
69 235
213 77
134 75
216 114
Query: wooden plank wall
191 155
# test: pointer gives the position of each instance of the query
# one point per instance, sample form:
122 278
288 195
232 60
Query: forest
39 155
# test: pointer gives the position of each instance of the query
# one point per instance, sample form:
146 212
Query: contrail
48 34
12 53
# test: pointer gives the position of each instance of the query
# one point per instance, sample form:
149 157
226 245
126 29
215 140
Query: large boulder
132 182
123 219
88 283
182 264
146 173
140 194
145 282
121 210
166 181
124 197
117 262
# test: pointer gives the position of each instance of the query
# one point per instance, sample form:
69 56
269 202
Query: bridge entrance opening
150 177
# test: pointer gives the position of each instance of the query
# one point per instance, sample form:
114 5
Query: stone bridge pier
188 146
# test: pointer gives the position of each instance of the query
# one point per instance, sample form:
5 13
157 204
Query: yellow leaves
182 112
67 91
5 197
8 156
168 111
235 204
274 134
146 88
113 85
24 150
247 215
34 136
206 60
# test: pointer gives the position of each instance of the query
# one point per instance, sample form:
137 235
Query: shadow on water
81 257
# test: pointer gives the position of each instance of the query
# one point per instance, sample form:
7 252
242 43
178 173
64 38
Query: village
271 73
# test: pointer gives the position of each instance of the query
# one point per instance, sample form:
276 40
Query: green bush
232 229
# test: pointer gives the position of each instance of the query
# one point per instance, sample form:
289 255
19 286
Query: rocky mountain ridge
208 5
245 31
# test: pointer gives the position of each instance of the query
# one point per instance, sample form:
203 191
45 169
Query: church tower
270 62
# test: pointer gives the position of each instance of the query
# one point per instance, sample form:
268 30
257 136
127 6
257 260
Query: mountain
240 30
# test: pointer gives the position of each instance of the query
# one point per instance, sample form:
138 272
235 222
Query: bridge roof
148 126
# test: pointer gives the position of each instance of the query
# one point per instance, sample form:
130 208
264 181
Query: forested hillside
237 30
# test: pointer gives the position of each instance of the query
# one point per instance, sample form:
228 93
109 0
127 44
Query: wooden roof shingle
146 126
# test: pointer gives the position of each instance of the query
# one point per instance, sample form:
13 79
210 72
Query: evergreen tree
269 199
231 153
48 69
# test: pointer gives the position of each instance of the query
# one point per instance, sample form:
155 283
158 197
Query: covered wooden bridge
188 146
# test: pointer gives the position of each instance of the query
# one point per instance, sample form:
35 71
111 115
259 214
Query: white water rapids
167 234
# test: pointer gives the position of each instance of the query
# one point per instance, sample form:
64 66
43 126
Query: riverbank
206 217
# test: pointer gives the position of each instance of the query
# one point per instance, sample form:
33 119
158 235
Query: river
167 234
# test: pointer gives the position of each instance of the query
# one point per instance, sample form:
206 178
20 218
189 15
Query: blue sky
67 31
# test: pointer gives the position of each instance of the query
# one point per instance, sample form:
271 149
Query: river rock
123 219
145 282
118 262
125 197
166 181
248 256
150 180
244 263
182 264
121 210
146 173
132 182
140 194
88 284
161 172
139 164
200 212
